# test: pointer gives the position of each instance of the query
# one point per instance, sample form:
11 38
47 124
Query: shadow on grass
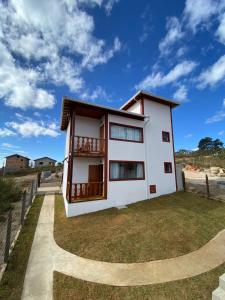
11 285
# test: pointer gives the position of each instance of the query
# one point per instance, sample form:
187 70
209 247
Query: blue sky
104 51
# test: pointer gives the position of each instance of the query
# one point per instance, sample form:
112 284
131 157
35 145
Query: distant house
44 161
16 163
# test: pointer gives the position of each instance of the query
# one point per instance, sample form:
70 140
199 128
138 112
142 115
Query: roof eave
140 94
101 107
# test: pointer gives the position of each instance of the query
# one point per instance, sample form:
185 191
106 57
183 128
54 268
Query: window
165 136
126 170
126 133
168 167
152 189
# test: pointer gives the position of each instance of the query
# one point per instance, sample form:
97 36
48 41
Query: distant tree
205 144
208 144
217 144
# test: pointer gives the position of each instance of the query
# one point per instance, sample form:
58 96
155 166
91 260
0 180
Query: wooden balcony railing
84 145
87 191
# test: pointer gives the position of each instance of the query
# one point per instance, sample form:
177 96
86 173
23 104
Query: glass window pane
126 133
126 170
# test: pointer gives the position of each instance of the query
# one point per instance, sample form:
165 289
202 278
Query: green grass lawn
12 282
166 227
195 288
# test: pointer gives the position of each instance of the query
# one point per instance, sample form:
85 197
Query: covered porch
88 179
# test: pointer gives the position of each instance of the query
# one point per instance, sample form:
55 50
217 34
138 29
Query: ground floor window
168 167
126 170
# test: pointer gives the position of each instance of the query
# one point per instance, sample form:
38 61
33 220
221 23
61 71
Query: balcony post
106 157
70 157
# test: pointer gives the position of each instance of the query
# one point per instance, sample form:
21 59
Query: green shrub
9 192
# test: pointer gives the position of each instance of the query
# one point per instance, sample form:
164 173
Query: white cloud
56 43
91 59
221 132
181 51
188 136
160 79
217 117
18 86
8 145
174 33
33 128
109 6
221 29
37 114
98 93
4 132
181 93
213 75
199 12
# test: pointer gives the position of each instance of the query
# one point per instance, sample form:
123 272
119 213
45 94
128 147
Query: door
95 180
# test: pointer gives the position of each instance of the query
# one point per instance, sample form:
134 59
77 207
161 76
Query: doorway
95 180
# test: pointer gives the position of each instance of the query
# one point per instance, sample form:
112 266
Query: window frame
126 161
128 126
167 132
152 189
168 162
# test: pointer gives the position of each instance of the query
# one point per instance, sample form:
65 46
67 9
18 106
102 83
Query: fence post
207 185
8 237
183 179
31 192
23 207
39 179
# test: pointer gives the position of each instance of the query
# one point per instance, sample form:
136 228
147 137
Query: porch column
106 157
70 157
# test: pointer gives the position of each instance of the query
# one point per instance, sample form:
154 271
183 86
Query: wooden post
23 207
70 157
184 182
207 185
31 191
39 179
8 237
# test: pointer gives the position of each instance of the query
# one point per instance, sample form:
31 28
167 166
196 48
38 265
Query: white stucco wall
157 151
135 108
127 191
81 167
87 127
119 192
153 152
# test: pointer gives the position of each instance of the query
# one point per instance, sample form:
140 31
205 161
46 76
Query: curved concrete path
46 256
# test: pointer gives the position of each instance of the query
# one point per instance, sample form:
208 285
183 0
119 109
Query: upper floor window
168 167
126 170
165 136
126 133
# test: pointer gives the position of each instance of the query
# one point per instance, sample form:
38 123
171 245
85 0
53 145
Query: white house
115 157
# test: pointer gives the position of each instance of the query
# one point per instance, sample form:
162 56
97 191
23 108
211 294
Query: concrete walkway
46 256
49 190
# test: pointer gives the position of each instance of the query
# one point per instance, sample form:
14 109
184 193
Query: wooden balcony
88 146
87 191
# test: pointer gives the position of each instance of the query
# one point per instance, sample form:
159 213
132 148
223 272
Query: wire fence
10 227
205 185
